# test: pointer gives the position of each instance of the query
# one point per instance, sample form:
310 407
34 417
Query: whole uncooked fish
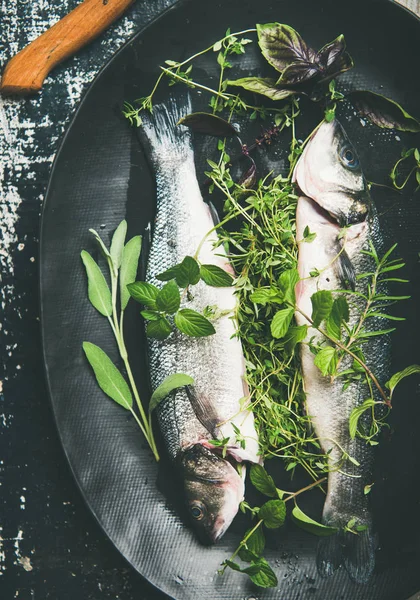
211 409
335 194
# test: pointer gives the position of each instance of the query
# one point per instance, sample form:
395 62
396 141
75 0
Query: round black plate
101 176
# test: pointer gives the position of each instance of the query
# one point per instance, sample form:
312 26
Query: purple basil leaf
249 178
281 45
265 86
330 52
298 73
383 111
208 124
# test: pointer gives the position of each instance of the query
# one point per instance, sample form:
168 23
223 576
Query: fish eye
197 510
348 157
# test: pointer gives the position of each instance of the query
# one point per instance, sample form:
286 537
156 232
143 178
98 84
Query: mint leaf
168 298
395 379
168 274
151 315
265 577
188 272
308 524
98 290
287 284
262 481
264 295
108 376
294 336
256 542
356 413
339 313
129 266
170 383
215 276
281 321
273 513
144 292
326 360
193 324
322 302
117 244
159 330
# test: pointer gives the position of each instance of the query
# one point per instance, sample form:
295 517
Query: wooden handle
25 72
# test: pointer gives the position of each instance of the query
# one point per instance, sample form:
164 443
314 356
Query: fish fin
161 136
359 555
203 410
213 213
345 270
329 554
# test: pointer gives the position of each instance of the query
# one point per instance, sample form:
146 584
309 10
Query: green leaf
287 284
256 542
144 293
98 290
322 302
261 85
170 383
281 321
395 379
129 266
168 274
326 360
265 577
108 376
104 249
294 336
282 45
159 329
310 525
338 314
262 481
193 324
117 244
273 513
151 315
215 276
383 111
168 298
356 413
263 295
188 272
208 124
308 236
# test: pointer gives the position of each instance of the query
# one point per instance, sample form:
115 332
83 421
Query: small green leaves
98 290
308 524
356 413
287 284
308 236
215 276
144 292
281 321
108 376
262 481
117 245
326 360
168 385
383 112
193 324
129 266
185 274
168 299
159 329
273 513
395 379
322 303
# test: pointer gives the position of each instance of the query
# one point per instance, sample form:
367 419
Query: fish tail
355 550
160 134
329 554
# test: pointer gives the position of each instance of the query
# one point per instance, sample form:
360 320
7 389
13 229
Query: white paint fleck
397 137
22 503
25 562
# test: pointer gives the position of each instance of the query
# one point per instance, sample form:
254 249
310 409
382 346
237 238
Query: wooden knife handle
25 72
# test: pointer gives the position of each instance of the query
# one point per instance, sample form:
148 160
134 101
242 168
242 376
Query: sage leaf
262 481
356 413
108 376
383 111
168 298
282 45
193 324
159 330
188 272
395 379
281 321
104 249
265 577
215 276
170 383
129 266
208 124
327 360
273 513
322 302
98 290
262 85
308 524
144 293
117 245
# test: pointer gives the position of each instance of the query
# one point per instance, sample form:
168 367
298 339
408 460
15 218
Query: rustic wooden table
50 545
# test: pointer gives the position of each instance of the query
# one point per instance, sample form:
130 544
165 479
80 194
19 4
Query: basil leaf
273 513
297 73
282 45
308 524
383 111
188 272
397 377
129 266
208 124
262 85
170 383
117 244
322 302
144 293
262 481
334 59
249 178
168 298
108 376
159 329
98 290
281 321
326 360
356 413
215 276
193 324
265 577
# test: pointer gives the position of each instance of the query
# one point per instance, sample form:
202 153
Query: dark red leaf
208 124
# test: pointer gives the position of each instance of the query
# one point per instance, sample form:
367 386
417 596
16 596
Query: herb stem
305 489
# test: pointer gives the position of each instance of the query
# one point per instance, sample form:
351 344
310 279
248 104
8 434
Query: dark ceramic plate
101 176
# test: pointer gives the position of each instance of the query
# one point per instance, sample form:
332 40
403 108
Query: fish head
329 172
213 491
